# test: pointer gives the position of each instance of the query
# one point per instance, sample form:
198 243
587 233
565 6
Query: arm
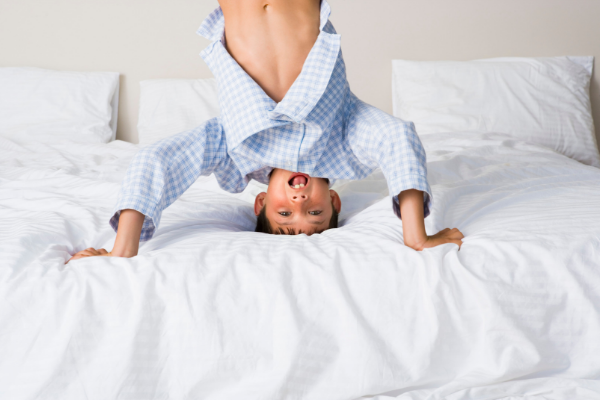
378 139
413 224
381 140
161 172
127 242
157 176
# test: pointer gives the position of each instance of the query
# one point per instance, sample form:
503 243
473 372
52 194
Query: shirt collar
260 112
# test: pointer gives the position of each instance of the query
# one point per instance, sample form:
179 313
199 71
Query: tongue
299 180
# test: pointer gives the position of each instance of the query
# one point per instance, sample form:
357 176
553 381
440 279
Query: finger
442 232
457 235
458 242
77 256
87 253
447 236
91 252
452 232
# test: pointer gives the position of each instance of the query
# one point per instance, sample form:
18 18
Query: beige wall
145 39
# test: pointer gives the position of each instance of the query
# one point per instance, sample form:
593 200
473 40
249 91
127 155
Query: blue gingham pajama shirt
319 128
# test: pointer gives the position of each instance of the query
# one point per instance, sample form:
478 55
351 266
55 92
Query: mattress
211 310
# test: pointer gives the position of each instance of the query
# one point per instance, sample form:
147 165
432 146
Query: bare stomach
270 39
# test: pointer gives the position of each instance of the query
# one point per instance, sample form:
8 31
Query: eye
315 212
285 213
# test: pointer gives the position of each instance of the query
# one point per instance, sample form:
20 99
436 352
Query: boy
288 119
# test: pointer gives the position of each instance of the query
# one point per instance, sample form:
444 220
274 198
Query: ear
259 202
335 199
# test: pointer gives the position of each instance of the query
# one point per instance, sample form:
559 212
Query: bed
211 310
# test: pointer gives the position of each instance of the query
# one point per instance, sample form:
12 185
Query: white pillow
541 100
171 106
46 105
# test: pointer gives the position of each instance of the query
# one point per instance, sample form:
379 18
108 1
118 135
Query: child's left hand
444 236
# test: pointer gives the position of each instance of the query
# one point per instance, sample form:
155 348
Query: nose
300 197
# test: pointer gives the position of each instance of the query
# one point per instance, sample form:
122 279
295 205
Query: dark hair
263 225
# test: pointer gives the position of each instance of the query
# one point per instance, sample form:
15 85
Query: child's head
296 203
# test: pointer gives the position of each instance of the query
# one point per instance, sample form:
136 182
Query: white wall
145 39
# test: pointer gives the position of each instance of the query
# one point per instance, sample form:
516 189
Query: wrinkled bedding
211 310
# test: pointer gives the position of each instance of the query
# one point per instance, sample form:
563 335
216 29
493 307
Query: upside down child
288 119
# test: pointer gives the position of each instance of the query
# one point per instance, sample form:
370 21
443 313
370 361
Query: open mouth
298 181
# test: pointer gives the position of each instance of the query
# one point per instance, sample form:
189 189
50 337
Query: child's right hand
127 241
89 252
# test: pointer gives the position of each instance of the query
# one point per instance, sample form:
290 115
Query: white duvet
210 310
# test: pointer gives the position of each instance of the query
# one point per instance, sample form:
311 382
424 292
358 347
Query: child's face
298 201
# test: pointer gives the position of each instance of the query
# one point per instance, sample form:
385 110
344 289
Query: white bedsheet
211 311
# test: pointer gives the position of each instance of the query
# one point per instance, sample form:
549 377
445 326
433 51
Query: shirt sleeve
159 173
378 139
